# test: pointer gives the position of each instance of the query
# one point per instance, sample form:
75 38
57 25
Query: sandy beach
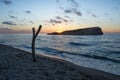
16 64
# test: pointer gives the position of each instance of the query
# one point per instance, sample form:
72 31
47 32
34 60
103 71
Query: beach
16 64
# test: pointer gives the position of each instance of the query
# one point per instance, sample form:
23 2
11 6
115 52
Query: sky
19 16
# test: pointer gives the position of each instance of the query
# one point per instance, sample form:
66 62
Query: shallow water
100 52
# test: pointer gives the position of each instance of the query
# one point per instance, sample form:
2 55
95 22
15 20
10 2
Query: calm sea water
99 52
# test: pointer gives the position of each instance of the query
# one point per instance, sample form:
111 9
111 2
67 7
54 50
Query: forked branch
33 41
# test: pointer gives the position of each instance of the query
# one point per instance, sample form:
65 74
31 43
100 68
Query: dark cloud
61 19
5 29
68 11
28 12
57 1
75 3
58 17
55 21
73 10
77 12
12 16
65 20
7 2
94 15
9 23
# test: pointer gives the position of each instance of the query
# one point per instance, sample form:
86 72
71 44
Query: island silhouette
84 31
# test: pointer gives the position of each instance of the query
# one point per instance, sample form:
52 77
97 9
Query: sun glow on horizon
59 31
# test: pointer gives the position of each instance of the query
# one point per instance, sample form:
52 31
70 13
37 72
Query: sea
101 52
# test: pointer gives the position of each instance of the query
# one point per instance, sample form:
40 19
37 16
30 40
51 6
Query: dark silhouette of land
85 31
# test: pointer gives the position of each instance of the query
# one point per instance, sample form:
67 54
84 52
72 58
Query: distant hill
84 31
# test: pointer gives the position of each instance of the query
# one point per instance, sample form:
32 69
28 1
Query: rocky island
85 31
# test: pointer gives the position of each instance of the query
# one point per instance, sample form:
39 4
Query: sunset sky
19 16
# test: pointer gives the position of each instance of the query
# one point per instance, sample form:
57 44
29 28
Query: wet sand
16 64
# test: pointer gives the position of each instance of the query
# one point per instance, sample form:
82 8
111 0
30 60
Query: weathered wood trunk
33 41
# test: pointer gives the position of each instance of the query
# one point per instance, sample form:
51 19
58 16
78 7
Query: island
84 31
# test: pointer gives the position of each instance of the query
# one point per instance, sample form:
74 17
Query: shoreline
18 64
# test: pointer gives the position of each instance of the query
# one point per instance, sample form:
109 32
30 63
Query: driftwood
33 41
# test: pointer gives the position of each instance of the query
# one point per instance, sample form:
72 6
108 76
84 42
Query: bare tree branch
33 41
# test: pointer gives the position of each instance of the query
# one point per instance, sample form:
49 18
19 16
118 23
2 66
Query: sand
16 64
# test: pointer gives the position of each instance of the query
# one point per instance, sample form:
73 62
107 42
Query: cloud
65 20
62 19
73 1
28 11
4 29
7 2
55 21
116 8
53 24
94 15
77 12
31 22
66 16
91 13
12 16
57 1
58 17
68 11
9 23
73 10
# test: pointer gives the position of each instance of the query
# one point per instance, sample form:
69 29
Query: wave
46 49
2 42
60 52
106 42
79 44
97 57
109 51
28 47
115 52
55 52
